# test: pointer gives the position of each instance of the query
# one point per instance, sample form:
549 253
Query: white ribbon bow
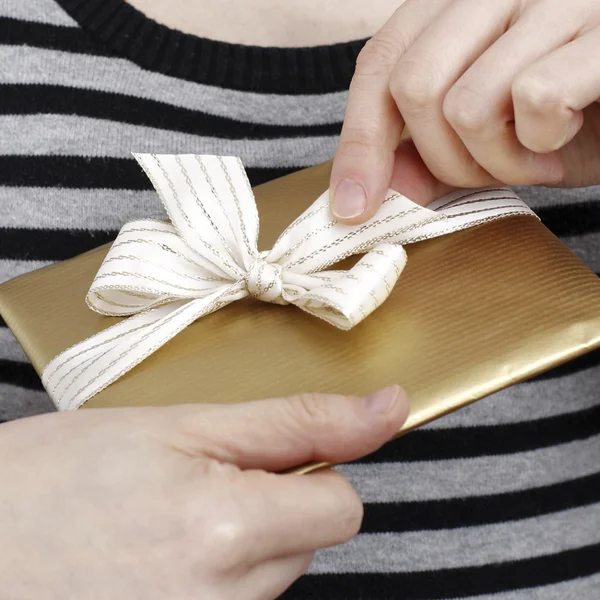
168 275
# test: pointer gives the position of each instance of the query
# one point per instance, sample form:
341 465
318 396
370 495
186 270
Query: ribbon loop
167 275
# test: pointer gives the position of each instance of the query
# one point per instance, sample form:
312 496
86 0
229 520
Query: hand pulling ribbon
165 276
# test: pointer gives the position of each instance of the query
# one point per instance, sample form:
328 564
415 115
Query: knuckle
217 521
415 85
225 542
358 142
466 110
310 408
538 140
378 55
463 172
351 514
307 560
539 144
537 94
456 178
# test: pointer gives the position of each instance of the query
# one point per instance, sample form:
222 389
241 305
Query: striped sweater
499 500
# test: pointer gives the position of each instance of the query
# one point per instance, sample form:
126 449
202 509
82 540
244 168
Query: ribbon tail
84 370
345 298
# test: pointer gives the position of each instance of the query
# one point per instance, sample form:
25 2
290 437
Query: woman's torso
502 495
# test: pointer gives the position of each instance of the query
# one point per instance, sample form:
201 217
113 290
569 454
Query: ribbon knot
264 281
166 275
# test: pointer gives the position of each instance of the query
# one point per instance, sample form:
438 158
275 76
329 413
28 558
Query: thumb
281 433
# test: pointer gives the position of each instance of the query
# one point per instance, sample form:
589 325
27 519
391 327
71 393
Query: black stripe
449 583
315 70
591 360
21 374
575 219
51 99
51 37
50 244
2 322
486 440
84 172
480 510
72 172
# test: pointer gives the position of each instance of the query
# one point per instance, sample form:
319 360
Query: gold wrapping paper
473 312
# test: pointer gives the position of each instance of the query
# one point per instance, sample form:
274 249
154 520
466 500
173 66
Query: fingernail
383 400
349 200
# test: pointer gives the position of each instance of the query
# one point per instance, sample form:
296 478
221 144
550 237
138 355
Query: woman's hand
490 90
178 503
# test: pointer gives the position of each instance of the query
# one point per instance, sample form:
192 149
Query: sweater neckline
128 33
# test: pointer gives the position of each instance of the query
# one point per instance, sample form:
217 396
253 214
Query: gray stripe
123 77
472 546
45 11
538 197
585 588
17 402
56 208
485 475
586 247
528 401
9 347
69 135
13 268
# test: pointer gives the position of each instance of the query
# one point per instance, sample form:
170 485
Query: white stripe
9 347
40 11
465 547
585 588
52 67
58 208
81 136
485 475
526 402
16 402
13 268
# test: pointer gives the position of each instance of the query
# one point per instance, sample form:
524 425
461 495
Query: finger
581 163
549 95
372 127
413 179
285 432
479 106
426 73
270 579
288 514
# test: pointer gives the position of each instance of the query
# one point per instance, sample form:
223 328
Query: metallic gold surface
473 312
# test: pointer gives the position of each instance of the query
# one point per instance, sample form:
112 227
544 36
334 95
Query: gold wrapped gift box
473 312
